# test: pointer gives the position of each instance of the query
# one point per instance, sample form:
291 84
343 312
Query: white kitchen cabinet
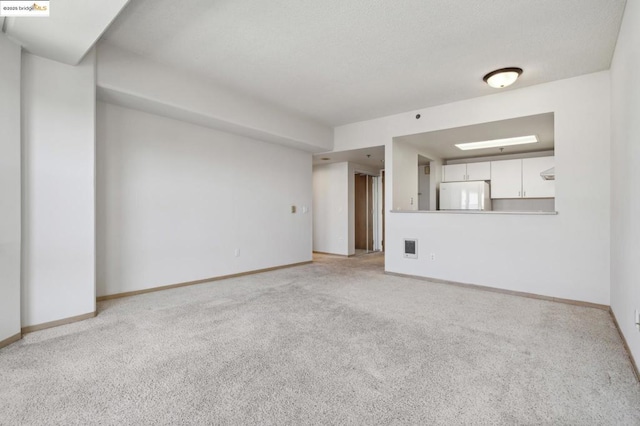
521 178
464 172
479 171
506 179
533 186
454 172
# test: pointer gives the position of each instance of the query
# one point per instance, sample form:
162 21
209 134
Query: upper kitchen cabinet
522 178
479 171
533 184
464 172
506 179
454 172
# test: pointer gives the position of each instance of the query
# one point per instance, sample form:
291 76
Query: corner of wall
625 178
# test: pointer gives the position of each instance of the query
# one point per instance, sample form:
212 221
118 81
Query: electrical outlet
432 256
237 253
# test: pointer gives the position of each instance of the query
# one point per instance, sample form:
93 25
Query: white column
9 190
59 105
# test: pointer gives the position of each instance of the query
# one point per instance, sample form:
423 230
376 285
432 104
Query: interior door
360 211
370 222
364 207
383 214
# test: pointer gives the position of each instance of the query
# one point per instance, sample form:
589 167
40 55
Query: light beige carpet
335 342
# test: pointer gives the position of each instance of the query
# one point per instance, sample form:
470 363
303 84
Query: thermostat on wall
411 248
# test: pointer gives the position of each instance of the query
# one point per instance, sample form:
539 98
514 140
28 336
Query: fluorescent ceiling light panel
495 143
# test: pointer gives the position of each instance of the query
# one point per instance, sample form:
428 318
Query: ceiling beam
69 32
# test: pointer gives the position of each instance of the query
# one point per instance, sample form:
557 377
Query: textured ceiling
341 61
68 33
441 143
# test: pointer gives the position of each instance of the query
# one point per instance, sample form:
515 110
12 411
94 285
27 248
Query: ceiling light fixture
325 158
503 77
495 143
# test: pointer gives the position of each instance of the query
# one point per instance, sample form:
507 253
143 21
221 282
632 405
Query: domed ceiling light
503 77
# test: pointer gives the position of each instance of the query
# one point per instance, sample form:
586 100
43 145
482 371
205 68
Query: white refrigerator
473 195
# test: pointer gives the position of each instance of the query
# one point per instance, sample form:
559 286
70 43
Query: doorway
337 178
424 183
368 204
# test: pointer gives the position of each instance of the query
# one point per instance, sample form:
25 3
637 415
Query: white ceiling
441 143
67 34
341 61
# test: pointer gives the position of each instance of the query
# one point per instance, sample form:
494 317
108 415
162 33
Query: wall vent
411 248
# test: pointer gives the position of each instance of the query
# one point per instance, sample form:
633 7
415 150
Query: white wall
434 183
331 208
175 200
424 184
58 137
10 197
625 182
405 177
564 256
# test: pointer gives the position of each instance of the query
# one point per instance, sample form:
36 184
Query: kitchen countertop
475 212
